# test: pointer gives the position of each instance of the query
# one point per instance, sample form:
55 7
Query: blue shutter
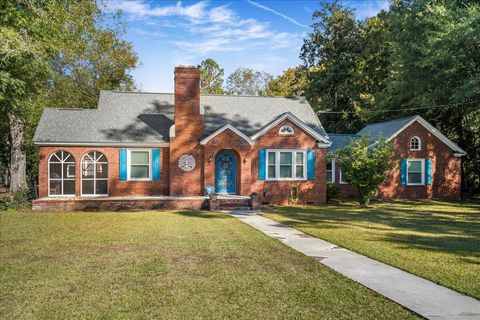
310 164
403 171
262 155
428 171
123 164
156 164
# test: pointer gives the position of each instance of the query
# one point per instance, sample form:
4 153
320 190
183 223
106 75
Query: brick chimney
187 103
189 129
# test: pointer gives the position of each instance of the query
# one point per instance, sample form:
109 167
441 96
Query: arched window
61 174
415 144
94 174
286 130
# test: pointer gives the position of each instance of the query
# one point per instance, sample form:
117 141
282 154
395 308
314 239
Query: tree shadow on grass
202 214
462 246
417 221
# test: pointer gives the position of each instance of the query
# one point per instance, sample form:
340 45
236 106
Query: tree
211 77
248 82
365 166
435 62
292 82
330 52
54 53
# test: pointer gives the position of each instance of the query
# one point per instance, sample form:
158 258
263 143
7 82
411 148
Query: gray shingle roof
384 129
341 140
147 117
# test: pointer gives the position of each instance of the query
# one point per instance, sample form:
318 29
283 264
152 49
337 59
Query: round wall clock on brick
186 162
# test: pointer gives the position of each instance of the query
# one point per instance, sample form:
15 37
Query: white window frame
333 172
94 179
62 179
419 143
290 132
340 177
294 164
129 163
422 166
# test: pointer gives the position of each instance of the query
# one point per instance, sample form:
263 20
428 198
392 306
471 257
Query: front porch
221 202
120 203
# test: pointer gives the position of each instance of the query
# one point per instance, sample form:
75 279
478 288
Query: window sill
415 184
144 180
287 179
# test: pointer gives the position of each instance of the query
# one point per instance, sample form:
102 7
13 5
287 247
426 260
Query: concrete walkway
424 297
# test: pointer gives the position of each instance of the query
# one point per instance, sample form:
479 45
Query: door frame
234 172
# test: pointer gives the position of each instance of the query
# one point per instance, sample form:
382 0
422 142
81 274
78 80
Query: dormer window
415 144
286 130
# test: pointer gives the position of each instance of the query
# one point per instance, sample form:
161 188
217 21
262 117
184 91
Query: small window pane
87 170
55 171
271 171
102 170
299 158
140 157
87 187
271 158
285 171
69 187
101 187
415 177
68 170
285 158
299 172
139 172
329 176
415 166
55 187
329 166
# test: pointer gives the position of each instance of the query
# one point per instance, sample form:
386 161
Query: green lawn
182 265
439 241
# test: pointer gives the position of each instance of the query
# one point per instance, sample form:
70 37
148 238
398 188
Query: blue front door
225 172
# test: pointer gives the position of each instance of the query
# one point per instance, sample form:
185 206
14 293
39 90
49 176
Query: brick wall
189 129
313 191
229 140
116 187
446 169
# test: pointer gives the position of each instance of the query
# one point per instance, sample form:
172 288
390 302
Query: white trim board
106 144
433 131
290 116
225 127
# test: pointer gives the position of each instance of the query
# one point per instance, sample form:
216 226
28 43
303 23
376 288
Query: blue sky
262 35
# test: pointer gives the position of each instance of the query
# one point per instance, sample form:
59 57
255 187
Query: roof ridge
383 122
342 134
205 94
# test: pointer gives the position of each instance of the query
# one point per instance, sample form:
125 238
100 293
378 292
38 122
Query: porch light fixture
210 157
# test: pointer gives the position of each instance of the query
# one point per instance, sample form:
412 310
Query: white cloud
203 29
261 6
149 33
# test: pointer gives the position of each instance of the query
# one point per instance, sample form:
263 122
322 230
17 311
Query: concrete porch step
235 209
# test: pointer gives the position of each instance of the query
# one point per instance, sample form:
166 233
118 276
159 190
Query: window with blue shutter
123 164
403 171
428 171
310 164
261 164
156 164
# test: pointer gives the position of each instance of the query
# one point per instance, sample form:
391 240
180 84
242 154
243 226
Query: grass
439 241
185 265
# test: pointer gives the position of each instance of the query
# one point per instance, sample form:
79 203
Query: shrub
333 192
365 164
18 200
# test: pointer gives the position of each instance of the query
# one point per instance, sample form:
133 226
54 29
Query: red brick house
154 150
428 163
